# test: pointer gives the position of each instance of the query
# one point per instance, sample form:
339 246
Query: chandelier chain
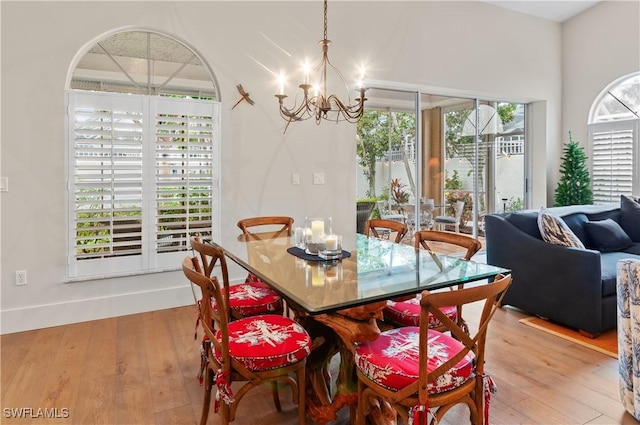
325 19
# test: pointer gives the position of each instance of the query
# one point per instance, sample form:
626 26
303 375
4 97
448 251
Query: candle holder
316 230
332 249
299 237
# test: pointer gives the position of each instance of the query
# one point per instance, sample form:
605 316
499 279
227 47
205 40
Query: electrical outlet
21 277
318 178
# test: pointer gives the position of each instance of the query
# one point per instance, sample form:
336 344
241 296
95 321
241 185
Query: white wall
599 46
449 45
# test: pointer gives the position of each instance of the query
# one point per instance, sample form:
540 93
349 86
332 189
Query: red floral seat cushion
267 342
407 313
392 359
253 298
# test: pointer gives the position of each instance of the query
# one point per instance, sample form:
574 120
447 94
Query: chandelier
316 103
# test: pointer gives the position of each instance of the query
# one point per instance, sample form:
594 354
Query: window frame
149 259
621 122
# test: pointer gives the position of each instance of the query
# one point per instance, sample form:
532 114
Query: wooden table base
333 334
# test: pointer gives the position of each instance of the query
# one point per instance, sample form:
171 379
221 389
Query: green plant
398 193
453 182
574 187
514 204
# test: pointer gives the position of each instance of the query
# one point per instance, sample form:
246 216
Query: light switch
295 178
4 184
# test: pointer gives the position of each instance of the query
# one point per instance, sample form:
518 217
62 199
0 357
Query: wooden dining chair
253 350
379 228
417 372
264 228
250 298
407 312
269 226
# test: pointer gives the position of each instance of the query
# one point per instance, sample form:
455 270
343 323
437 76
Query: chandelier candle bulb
280 86
305 73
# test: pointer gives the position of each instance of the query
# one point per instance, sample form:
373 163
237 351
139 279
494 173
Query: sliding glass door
387 150
434 151
484 159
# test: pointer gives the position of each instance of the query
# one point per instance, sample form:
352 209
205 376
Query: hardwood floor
141 369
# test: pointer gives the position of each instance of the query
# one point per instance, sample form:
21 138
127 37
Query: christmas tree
574 187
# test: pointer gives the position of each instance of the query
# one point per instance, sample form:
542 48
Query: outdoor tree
574 187
378 131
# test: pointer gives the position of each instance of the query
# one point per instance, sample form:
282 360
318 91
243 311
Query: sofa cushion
630 217
555 231
266 342
608 265
634 248
576 222
391 360
607 235
526 222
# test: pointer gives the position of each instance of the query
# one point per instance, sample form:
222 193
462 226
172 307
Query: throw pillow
554 230
630 217
607 235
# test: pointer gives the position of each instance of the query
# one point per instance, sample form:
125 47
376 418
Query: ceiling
554 10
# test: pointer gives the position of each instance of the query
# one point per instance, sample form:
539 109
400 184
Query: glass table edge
340 306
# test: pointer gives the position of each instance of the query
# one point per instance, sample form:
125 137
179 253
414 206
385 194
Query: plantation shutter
142 180
105 179
185 136
613 166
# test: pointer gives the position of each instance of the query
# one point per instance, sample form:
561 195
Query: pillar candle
331 242
317 230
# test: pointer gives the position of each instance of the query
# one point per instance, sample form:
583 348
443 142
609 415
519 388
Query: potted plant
574 187
398 193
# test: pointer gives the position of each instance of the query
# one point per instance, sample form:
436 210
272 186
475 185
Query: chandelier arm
348 107
294 112
344 82
354 110
322 106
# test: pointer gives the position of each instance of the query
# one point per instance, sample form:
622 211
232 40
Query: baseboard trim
49 315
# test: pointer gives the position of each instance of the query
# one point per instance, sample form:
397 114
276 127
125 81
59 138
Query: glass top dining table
376 270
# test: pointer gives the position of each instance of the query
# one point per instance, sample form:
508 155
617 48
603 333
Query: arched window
143 146
615 144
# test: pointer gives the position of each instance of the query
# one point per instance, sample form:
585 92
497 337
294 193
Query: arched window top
144 62
619 101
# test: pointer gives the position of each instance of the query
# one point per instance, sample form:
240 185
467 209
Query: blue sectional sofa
575 287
